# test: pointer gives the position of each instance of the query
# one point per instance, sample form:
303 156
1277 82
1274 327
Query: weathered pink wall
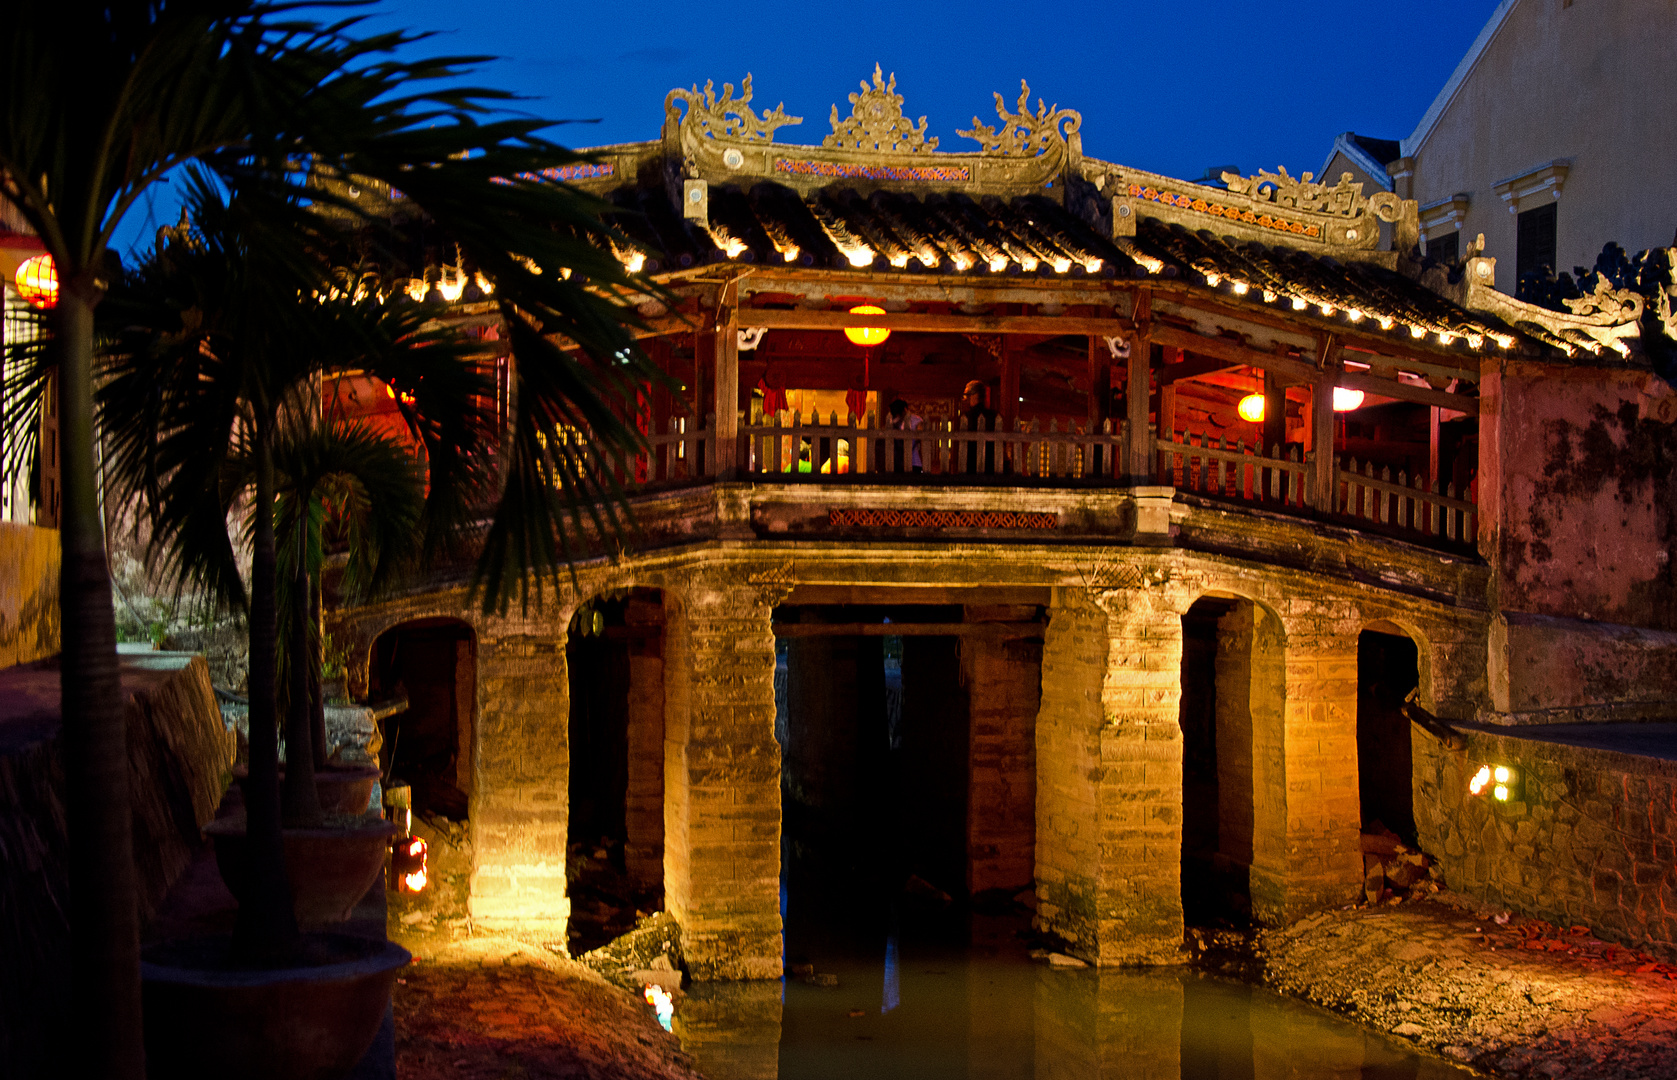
1580 490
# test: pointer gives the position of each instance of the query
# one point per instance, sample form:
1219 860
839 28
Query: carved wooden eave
1270 208
723 141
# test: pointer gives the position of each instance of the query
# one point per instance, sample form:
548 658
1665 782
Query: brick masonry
1104 798
1590 839
1003 691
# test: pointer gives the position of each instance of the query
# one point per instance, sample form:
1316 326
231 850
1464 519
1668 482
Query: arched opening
428 745
1230 708
1387 670
614 653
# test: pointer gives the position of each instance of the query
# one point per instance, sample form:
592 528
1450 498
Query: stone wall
1590 840
643 812
179 757
1003 679
29 619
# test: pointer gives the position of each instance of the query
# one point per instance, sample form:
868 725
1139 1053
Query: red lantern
37 281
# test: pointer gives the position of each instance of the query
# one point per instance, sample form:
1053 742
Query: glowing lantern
408 862
1480 779
1251 408
37 281
1345 400
866 335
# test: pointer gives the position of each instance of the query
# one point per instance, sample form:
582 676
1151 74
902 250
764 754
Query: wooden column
1435 417
1321 441
1136 390
1275 412
727 382
1165 414
1009 404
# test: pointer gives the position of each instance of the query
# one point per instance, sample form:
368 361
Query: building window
1446 248
1535 240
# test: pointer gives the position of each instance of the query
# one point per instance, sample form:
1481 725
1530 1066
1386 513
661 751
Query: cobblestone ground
493 1008
1516 998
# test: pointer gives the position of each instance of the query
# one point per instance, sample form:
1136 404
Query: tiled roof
1032 236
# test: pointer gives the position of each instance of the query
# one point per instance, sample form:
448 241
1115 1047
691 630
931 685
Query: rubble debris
651 952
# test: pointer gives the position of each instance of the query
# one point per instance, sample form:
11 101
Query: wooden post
1321 440
1433 433
1100 404
1010 386
1165 414
1275 413
1136 391
727 382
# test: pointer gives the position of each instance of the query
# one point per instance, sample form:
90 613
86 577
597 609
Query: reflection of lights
37 281
1251 408
1344 400
866 335
1480 779
662 1004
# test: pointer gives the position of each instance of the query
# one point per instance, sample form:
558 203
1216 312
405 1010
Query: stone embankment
1506 994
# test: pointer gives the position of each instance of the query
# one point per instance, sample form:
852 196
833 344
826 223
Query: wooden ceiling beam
1048 325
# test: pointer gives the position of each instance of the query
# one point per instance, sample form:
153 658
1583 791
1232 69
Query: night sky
1170 87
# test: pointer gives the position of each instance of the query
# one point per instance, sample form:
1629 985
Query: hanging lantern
866 335
37 281
1345 400
1251 408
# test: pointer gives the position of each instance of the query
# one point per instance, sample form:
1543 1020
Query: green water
932 995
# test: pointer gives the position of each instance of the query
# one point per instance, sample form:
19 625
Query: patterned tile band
1233 213
570 172
940 519
836 170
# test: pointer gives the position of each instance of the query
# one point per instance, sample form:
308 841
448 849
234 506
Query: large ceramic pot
205 1018
329 868
343 789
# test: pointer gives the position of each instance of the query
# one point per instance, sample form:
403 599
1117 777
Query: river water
927 994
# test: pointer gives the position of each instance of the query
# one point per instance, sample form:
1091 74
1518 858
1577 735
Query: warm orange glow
1345 400
37 281
866 335
1480 779
1251 408
415 881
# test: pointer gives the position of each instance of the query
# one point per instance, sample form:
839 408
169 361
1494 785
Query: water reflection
979 1009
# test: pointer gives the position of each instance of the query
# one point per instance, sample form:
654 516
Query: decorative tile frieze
1232 213
857 517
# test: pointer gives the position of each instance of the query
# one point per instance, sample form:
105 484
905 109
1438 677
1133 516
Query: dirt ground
493 1008
1511 996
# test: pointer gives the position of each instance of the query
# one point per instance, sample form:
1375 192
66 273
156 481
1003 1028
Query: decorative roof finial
876 122
1023 134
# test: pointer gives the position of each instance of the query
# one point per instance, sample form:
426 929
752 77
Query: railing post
1321 440
727 383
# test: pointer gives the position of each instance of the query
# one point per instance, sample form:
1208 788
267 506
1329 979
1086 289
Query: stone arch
431 660
1392 660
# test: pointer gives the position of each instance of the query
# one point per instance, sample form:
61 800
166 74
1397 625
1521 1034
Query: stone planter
343 789
204 1018
329 868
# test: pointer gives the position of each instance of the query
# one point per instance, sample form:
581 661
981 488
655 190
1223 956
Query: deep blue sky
1171 87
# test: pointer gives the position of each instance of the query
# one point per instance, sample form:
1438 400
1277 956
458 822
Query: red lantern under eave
37 281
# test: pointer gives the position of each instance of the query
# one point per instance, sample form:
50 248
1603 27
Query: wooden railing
821 451
684 452
1284 480
1404 504
1234 471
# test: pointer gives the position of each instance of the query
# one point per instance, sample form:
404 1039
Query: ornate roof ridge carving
876 122
1024 134
724 117
1607 319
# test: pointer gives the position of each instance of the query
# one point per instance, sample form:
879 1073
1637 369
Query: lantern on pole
37 281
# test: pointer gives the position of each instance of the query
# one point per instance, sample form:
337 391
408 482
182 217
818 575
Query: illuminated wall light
1300 303
37 281
1251 408
1386 322
963 262
930 261
1213 280
1417 332
1445 337
635 261
1270 296
1480 779
791 254
1354 314
866 335
998 263
485 284
451 286
1346 399
734 247
899 261
1506 341
1476 341
1093 266
1062 266
1327 309
1028 264
1241 288
860 256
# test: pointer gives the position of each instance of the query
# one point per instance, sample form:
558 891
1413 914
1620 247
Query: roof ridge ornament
725 117
876 121
1024 134
1344 199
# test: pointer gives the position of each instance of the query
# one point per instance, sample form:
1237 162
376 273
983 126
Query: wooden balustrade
1403 503
857 447
684 452
1235 471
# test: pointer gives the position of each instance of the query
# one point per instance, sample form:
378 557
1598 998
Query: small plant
159 631
334 658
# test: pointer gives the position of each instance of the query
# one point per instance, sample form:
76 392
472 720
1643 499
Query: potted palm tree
102 102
